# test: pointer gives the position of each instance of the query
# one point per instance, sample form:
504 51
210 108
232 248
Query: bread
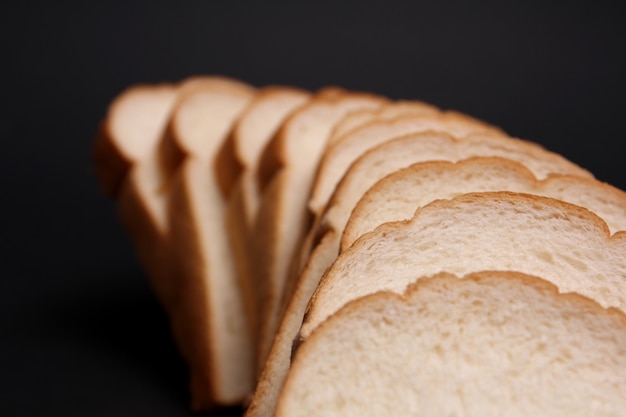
220 374
398 195
490 344
130 131
218 183
339 156
206 109
236 165
286 172
216 336
143 191
482 174
561 242
389 111
400 152
249 135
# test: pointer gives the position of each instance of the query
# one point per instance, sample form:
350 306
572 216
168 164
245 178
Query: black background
81 334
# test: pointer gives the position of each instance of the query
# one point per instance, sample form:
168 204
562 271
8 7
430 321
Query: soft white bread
401 152
143 203
205 110
398 195
249 135
143 193
286 173
490 344
388 111
562 242
339 156
130 131
236 165
215 338
391 156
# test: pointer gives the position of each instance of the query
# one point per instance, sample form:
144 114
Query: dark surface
82 334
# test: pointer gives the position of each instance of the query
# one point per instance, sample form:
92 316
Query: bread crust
505 202
383 308
112 155
281 222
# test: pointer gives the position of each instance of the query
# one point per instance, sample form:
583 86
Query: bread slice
130 131
236 166
144 207
490 344
389 111
398 195
190 129
562 242
286 173
339 156
216 337
143 191
400 152
249 135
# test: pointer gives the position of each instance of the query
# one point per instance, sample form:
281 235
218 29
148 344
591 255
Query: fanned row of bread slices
338 252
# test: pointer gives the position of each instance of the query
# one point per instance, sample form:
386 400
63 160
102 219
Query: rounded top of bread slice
564 243
341 154
252 130
399 194
137 117
394 154
489 344
304 133
204 113
388 111
131 130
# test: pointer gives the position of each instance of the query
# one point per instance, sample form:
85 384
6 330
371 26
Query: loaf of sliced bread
562 242
498 174
286 172
489 344
275 220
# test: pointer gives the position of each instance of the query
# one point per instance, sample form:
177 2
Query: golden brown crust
111 160
274 157
411 294
172 150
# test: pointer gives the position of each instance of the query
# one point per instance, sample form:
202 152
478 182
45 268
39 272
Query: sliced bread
236 166
286 173
214 332
562 242
340 155
398 195
389 157
490 344
205 110
130 131
400 152
389 111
